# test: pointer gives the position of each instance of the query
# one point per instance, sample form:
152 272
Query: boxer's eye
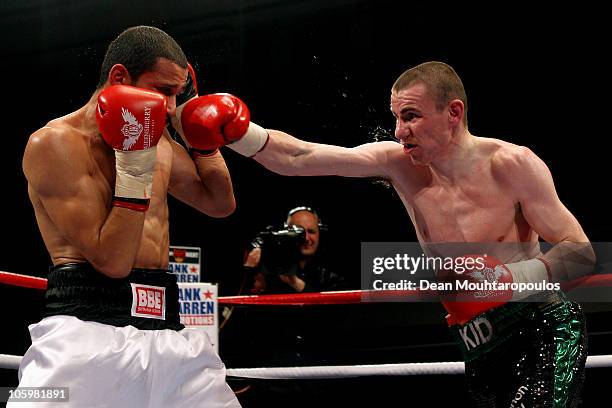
408 117
165 91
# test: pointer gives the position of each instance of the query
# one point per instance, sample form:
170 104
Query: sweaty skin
71 176
456 187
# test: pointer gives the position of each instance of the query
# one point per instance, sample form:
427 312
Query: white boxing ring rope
9 361
343 371
347 371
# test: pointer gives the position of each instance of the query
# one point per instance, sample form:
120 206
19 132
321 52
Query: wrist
529 271
134 173
299 285
253 141
294 281
195 153
525 272
135 204
548 267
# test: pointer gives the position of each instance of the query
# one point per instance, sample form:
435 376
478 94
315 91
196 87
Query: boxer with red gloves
458 187
98 179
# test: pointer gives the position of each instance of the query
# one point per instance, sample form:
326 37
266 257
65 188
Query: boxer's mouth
409 147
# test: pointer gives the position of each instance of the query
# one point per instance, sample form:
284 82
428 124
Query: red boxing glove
211 121
465 304
132 120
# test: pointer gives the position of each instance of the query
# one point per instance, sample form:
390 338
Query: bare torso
477 207
100 161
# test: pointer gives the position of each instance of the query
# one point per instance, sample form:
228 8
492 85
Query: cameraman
289 260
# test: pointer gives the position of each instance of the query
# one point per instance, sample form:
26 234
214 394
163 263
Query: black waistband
77 289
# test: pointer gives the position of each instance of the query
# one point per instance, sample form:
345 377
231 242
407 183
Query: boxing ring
344 371
324 298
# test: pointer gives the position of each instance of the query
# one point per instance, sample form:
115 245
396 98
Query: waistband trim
77 289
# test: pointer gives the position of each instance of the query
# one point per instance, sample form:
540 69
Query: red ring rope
25 281
317 298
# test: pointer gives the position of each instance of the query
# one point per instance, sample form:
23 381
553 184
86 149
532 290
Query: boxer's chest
469 212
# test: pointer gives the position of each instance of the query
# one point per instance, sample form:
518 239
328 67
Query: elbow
584 251
585 258
113 270
578 259
115 273
590 255
118 273
223 210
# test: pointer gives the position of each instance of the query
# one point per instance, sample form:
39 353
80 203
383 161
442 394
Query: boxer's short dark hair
138 49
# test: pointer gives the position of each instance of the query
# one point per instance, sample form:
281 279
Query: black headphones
322 227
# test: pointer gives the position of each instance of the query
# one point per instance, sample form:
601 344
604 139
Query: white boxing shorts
108 366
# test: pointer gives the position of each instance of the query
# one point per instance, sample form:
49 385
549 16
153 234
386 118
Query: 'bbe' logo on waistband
148 301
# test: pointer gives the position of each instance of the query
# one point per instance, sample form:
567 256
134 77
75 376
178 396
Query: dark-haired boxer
98 180
458 187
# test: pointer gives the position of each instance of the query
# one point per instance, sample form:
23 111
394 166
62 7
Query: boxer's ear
119 75
456 110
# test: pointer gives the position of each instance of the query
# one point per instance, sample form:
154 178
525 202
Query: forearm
289 156
285 154
531 182
566 261
116 245
294 281
218 193
570 260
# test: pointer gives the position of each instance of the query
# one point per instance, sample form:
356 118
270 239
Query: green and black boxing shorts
527 354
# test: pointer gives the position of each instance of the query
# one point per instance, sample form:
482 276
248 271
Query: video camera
280 248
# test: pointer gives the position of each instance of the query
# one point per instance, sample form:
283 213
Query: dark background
321 70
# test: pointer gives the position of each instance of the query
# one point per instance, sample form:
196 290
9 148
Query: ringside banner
199 308
185 263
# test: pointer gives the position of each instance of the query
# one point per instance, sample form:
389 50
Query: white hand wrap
135 173
253 141
529 271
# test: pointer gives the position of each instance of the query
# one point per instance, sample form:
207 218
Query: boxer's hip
493 329
525 353
146 299
103 365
